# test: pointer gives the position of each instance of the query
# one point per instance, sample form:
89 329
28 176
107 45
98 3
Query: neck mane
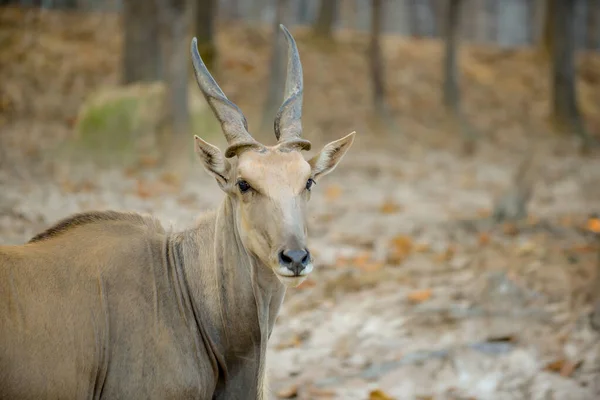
234 296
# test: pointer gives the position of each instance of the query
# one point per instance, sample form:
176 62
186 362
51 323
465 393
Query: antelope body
110 305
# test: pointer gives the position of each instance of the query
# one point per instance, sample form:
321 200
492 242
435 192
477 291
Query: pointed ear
326 161
212 160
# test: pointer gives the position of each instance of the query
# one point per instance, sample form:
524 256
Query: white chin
291 281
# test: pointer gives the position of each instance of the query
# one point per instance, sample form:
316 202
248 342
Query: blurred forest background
457 244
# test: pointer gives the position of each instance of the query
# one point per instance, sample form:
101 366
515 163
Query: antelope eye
309 183
244 186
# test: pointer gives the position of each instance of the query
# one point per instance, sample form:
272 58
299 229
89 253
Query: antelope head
269 186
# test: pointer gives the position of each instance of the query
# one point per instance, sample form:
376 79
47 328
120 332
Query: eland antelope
111 305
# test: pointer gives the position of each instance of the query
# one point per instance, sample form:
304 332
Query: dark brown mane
90 217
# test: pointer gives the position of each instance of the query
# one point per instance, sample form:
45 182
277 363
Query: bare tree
451 91
561 43
302 12
421 19
174 23
326 19
593 25
141 49
205 30
277 68
415 18
375 56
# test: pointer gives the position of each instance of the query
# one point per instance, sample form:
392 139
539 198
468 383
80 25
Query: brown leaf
510 229
593 224
389 207
419 296
308 283
484 212
170 178
401 247
422 247
341 261
362 259
143 190
484 238
379 395
294 341
446 255
318 392
290 392
148 161
568 368
566 221
187 200
555 366
372 266
563 367
583 248
333 192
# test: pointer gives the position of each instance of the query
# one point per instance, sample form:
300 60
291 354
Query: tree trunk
277 66
593 25
205 31
175 50
326 19
141 48
565 109
547 38
303 15
491 11
451 93
375 56
414 18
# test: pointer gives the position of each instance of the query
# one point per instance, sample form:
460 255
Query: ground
415 295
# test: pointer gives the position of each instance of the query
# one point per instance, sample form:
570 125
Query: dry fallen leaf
148 161
379 395
446 255
306 284
484 238
566 221
526 248
333 192
422 247
401 247
561 366
290 392
170 178
484 212
593 225
583 248
389 207
568 368
320 393
143 190
372 266
532 220
294 341
510 229
419 296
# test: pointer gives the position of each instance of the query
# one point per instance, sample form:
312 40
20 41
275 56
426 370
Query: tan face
270 189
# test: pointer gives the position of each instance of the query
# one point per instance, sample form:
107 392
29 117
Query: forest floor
414 295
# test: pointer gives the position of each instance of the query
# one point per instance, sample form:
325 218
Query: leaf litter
406 299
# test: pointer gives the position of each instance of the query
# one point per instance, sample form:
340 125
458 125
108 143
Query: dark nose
294 260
